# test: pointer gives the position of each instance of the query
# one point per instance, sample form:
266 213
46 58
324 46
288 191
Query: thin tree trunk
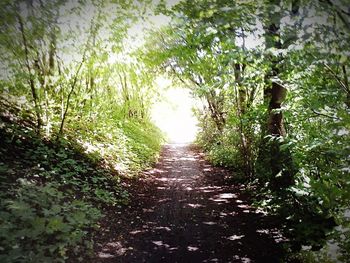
73 86
215 114
74 83
346 83
241 103
31 78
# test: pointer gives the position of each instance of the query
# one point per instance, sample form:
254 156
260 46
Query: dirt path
184 211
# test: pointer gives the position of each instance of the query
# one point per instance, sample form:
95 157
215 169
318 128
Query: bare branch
341 83
325 115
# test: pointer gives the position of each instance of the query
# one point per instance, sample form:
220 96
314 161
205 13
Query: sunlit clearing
174 115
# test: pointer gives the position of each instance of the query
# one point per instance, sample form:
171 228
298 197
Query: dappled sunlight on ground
188 213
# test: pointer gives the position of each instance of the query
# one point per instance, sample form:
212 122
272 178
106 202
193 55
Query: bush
52 191
41 224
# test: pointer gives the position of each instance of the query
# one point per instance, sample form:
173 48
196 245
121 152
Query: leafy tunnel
174 131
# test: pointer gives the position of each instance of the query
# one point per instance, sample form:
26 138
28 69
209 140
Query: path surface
184 211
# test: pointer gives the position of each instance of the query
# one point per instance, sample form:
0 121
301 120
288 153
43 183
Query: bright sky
173 114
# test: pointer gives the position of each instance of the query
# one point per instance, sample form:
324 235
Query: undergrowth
53 191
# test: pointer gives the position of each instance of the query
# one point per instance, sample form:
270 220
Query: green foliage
72 122
344 240
276 111
222 148
40 224
53 192
126 145
311 257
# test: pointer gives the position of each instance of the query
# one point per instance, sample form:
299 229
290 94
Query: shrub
40 224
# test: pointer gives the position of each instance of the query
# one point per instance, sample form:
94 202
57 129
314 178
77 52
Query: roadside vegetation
274 80
76 100
72 124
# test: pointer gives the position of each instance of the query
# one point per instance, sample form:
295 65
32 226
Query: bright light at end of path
174 115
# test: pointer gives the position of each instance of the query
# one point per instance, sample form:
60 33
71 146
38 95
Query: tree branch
73 84
325 115
340 12
341 83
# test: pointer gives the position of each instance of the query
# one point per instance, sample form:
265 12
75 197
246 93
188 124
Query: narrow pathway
184 211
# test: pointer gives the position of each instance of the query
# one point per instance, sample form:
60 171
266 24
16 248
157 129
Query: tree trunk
275 125
241 104
280 172
31 77
215 113
73 86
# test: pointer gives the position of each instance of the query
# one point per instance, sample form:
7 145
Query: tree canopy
274 78
76 101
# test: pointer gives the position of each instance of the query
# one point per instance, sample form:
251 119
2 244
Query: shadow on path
184 211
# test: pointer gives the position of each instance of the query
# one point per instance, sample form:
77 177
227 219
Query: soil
186 210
